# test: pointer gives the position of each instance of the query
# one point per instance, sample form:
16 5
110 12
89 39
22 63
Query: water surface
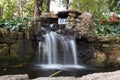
37 71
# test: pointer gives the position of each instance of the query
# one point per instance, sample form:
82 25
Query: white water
57 51
73 47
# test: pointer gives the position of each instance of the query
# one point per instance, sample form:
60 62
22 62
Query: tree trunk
37 9
20 8
1 12
67 4
37 13
48 6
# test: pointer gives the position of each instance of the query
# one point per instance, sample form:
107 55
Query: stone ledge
15 77
102 76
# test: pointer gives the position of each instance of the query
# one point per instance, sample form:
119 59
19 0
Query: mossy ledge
8 62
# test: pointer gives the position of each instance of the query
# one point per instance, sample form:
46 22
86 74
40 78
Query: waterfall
57 51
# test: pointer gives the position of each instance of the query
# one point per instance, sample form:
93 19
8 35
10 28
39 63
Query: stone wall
80 24
17 43
102 52
107 52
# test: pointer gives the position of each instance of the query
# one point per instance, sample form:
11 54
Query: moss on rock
14 62
3 32
99 60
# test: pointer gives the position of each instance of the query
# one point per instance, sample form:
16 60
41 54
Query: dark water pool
35 72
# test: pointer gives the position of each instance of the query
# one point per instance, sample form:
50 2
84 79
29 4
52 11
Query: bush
14 24
107 29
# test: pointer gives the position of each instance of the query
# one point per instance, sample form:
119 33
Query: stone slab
15 77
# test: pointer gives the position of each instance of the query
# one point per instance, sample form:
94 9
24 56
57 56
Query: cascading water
57 51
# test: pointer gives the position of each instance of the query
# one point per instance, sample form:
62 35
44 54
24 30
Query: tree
28 8
102 11
48 6
99 8
39 7
36 9
1 11
66 3
114 5
8 8
20 8
83 5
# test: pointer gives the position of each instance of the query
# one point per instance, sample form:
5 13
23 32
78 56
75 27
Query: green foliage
83 5
107 29
14 24
102 11
114 5
99 8
11 19
28 8
9 7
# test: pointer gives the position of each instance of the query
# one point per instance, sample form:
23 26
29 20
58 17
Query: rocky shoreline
115 75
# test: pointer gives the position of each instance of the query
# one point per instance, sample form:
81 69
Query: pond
35 71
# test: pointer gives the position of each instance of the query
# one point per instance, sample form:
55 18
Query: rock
3 32
114 51
48 15
99 59
85 21
15 77
16 35
91 39
80 24
103 76
118 59
55 78
86 15
105 38
72 15
105 45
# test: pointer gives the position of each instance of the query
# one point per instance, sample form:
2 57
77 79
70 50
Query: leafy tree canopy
97 7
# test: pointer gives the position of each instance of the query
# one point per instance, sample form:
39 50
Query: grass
55 73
